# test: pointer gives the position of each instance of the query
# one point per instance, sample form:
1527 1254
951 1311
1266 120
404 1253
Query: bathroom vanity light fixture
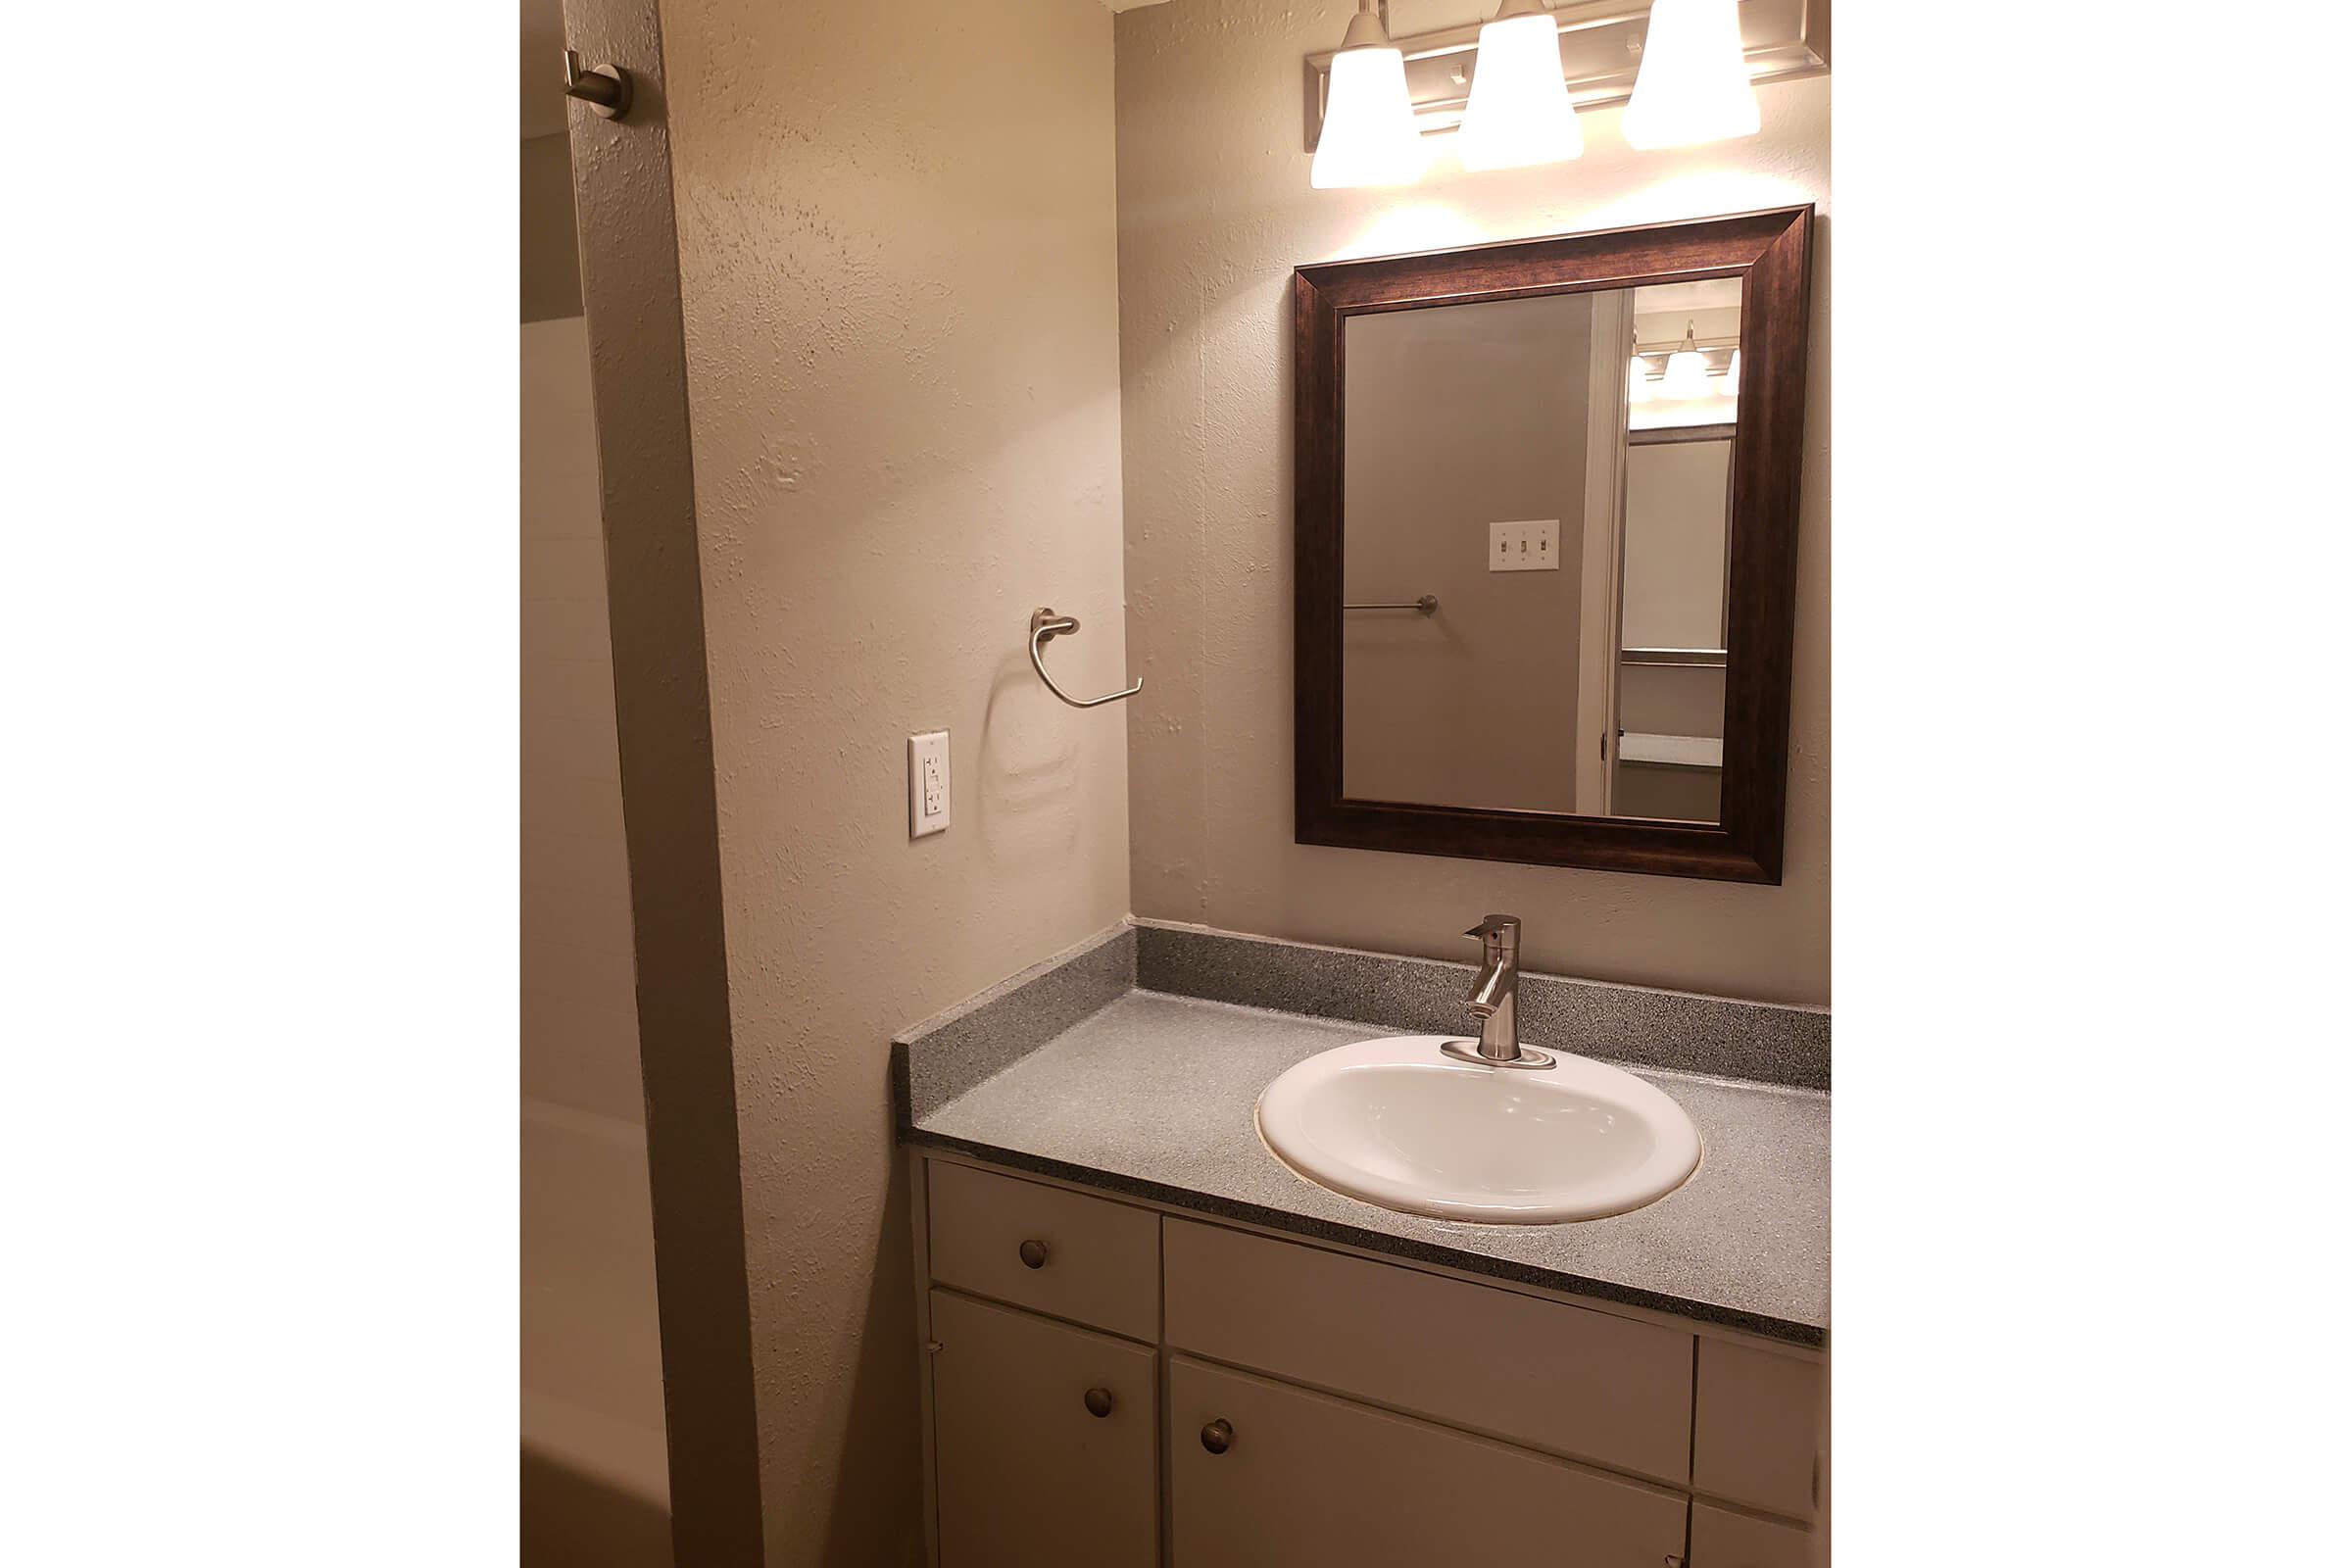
1685 69
1690 369
1694 84
1686 369
1519 110
1368 133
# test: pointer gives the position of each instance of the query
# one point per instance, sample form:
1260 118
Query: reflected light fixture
1369 137
1636 380
1519 111
1731 376
1694 84
1685 367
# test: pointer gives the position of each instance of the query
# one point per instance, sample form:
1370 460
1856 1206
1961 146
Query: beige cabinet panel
1759 1426
1059 1252
1573 1382
1027 1475
1308 1481
1722 1539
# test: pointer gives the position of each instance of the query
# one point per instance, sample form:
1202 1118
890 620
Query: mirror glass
1536 505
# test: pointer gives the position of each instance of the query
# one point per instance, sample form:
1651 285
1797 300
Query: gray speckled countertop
1155 1095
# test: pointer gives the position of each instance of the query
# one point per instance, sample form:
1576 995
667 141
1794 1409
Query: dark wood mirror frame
1770 253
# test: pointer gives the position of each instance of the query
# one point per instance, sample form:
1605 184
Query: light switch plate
927 793
1524 546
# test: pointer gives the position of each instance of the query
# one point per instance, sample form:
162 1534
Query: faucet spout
1494 988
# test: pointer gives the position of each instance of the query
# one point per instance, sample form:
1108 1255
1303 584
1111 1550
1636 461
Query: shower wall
595 1473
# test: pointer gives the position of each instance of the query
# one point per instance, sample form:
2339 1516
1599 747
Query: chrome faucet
1493 1001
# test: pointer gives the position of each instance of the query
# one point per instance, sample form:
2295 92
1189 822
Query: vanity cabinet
1294 1405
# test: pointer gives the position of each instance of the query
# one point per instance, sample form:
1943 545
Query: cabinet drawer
1759 1426
1722 1539
1308 1481
1028 1475
1554 1377
1092 1262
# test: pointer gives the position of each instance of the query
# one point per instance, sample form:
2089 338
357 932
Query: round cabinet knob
1033 1254
1217 1435
1097 1401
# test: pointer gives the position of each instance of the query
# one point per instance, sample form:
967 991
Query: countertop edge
1212 1207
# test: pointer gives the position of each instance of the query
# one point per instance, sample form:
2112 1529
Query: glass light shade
1519 111
1731 376
1636 380
1685 375
1368 132
1693 83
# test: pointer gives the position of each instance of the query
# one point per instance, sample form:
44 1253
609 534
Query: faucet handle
1498 930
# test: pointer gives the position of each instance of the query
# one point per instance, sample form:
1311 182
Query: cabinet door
1029 1476
1722 1539
1580 1384
1307 1481
1758 1435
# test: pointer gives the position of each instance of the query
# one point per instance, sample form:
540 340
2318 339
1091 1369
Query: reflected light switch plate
1524 546
926 784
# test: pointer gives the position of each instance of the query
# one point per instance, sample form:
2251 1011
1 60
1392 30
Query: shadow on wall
574 1520
874 1514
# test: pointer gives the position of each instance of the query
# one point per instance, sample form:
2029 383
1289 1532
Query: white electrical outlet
1524 546
927 783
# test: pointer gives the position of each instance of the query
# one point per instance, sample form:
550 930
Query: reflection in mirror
1536 505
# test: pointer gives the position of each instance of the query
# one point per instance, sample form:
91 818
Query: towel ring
1043 627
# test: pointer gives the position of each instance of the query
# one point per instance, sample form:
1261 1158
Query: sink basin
1392 1122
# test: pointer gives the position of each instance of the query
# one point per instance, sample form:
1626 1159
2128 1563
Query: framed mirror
1547 511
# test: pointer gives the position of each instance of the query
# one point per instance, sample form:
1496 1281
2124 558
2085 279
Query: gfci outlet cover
928 794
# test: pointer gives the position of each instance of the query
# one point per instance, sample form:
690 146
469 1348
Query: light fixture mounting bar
1599 56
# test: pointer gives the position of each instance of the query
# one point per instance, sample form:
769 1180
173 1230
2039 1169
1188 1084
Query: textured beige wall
897 260
1456 419
1214 210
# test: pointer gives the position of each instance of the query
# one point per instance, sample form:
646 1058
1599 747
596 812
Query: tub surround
1132 1063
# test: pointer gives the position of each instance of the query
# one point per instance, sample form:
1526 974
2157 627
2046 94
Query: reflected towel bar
1043 627
1684 657
1427 604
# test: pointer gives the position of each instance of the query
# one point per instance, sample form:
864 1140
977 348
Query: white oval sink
1394 1122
